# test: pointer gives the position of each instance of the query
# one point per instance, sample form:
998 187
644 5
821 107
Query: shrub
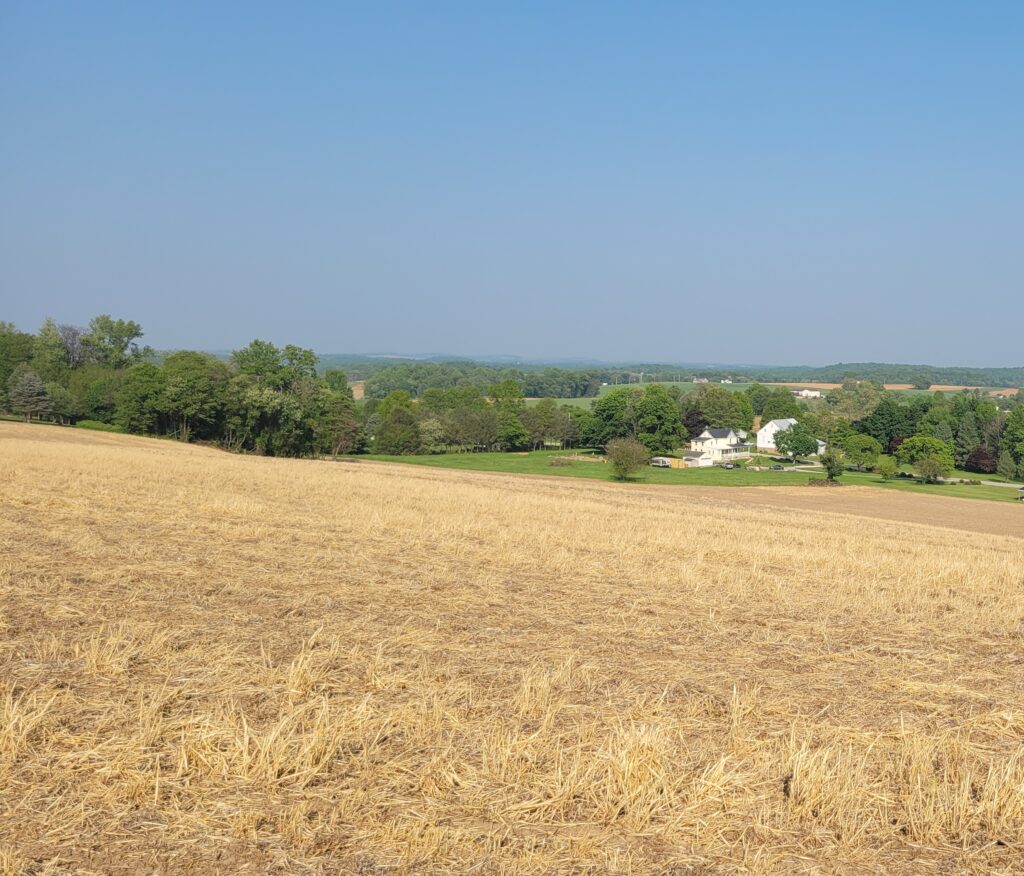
833 465
981 460
98 426
626 456
887 468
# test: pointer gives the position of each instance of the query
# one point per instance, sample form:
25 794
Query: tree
887 468
62 403
337 381
980 460
932 468
398 433
758 394
967 438
540 421
26 393
15 349
49 355
694 422
74 349
943 431
888 420
1006 467
138 399
833 465
779 405
112 342
338 428
862 451
614 414
511 434
626 455
194 393
297 364
432 435
507 395
796 441
932 457
93 388
656 419
723 408
1013 434
260 359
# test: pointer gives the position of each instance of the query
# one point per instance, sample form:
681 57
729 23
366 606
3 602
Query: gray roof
782 424
697 454
720 433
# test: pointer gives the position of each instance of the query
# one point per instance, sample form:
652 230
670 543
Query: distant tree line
538 381
263 400
280 402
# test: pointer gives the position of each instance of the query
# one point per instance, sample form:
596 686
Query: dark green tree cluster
416 379
975 433
264 400
464 419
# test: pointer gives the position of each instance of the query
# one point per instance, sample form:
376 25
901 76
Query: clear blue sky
731 182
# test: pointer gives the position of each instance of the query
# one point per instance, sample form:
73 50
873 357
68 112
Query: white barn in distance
766 434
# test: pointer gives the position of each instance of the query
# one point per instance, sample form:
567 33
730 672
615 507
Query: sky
775 183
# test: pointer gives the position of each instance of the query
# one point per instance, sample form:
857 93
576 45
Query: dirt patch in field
358 389
967 515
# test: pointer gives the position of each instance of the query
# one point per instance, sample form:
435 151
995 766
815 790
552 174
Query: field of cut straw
219 664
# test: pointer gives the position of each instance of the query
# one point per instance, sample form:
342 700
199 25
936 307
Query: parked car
729 465
777 467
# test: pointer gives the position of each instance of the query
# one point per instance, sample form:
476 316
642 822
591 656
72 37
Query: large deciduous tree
112 342
656 419
796 441
932 457
862 451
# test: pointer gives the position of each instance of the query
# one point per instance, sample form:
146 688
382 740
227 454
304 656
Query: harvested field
946 387
822 386
220 664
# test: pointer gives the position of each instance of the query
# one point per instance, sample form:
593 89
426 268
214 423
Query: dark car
777 468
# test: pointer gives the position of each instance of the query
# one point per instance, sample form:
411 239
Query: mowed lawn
547 462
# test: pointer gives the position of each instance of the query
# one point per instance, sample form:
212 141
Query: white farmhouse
717 445
806 393
766 434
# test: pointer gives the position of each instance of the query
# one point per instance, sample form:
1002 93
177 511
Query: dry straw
215 664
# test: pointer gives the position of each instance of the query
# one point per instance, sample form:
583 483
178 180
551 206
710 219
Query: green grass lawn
585 402
964 491
539 463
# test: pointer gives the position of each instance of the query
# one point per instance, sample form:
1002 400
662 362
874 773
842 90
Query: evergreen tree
967 438
1006 466
26 393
